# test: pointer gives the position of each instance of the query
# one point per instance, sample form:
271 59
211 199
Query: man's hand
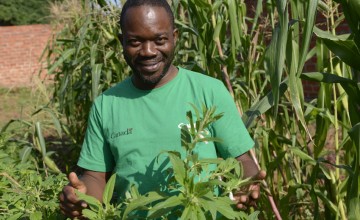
70 205
248 196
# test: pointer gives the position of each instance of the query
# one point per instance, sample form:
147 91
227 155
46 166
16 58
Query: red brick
20 50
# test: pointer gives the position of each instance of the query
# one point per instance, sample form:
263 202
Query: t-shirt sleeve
95 153
230 128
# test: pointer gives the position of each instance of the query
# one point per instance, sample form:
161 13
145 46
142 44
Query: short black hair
155 3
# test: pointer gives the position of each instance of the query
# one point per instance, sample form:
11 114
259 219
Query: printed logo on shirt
128 131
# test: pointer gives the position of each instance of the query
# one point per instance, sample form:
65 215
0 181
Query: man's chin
151 80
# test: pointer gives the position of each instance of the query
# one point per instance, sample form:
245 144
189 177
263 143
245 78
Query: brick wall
20 50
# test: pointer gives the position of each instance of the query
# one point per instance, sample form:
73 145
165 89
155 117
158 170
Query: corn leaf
41 139
64 56
354 209
95 80
302 155
261 106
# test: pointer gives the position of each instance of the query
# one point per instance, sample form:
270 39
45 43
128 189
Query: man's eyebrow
130 35
161 34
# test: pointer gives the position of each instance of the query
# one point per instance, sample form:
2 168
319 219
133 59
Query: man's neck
170 74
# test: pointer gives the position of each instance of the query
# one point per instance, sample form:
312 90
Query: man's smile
149 66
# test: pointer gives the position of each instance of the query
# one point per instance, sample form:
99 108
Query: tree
22 12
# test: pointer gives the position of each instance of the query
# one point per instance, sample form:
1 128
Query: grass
19 103
16 103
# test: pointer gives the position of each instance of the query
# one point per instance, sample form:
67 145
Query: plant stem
10 178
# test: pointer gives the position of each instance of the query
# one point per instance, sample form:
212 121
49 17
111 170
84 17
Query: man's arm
249 167
91 182
95 182
248 197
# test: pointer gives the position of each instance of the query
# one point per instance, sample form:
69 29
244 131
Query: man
131 123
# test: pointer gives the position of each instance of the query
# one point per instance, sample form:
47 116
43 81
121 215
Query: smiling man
133 122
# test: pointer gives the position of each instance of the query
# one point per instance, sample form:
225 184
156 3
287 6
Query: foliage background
22 12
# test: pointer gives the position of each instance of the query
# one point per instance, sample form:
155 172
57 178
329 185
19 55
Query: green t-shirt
128 128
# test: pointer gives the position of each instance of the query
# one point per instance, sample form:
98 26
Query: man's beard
150 80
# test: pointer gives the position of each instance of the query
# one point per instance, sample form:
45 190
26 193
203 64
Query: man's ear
175 34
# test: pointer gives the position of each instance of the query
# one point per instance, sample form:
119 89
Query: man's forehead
147 15
149 10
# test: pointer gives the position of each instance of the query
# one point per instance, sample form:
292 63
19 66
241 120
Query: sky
115 2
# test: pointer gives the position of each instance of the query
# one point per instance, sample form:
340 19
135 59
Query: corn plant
340 79
84 59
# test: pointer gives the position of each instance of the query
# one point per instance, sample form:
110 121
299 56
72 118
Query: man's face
148 41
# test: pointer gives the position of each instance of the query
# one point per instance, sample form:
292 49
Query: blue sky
116 2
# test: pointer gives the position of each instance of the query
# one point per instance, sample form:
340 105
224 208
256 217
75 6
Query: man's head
148 39
153 3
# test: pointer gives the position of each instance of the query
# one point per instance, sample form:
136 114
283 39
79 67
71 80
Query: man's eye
161 41
134 42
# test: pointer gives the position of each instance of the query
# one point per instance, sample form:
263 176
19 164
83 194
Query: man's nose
148 49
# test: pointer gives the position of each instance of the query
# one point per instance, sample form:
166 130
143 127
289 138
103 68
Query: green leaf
254 215
351 88
302 155
353 182
37 215
296 96
141 201
219 24
342 47
15 216
347 51
93 54
109 190
55 120
95 80
325 77
93 203
51 164
166 205
90 214
178 166
25 153
224 206
309 25
235 31
327 202
275 54
211 160
261 106
328 35
354 209
102 3
64 56
41 139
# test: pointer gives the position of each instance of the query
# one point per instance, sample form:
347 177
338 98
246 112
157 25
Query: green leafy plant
193 194
26 192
